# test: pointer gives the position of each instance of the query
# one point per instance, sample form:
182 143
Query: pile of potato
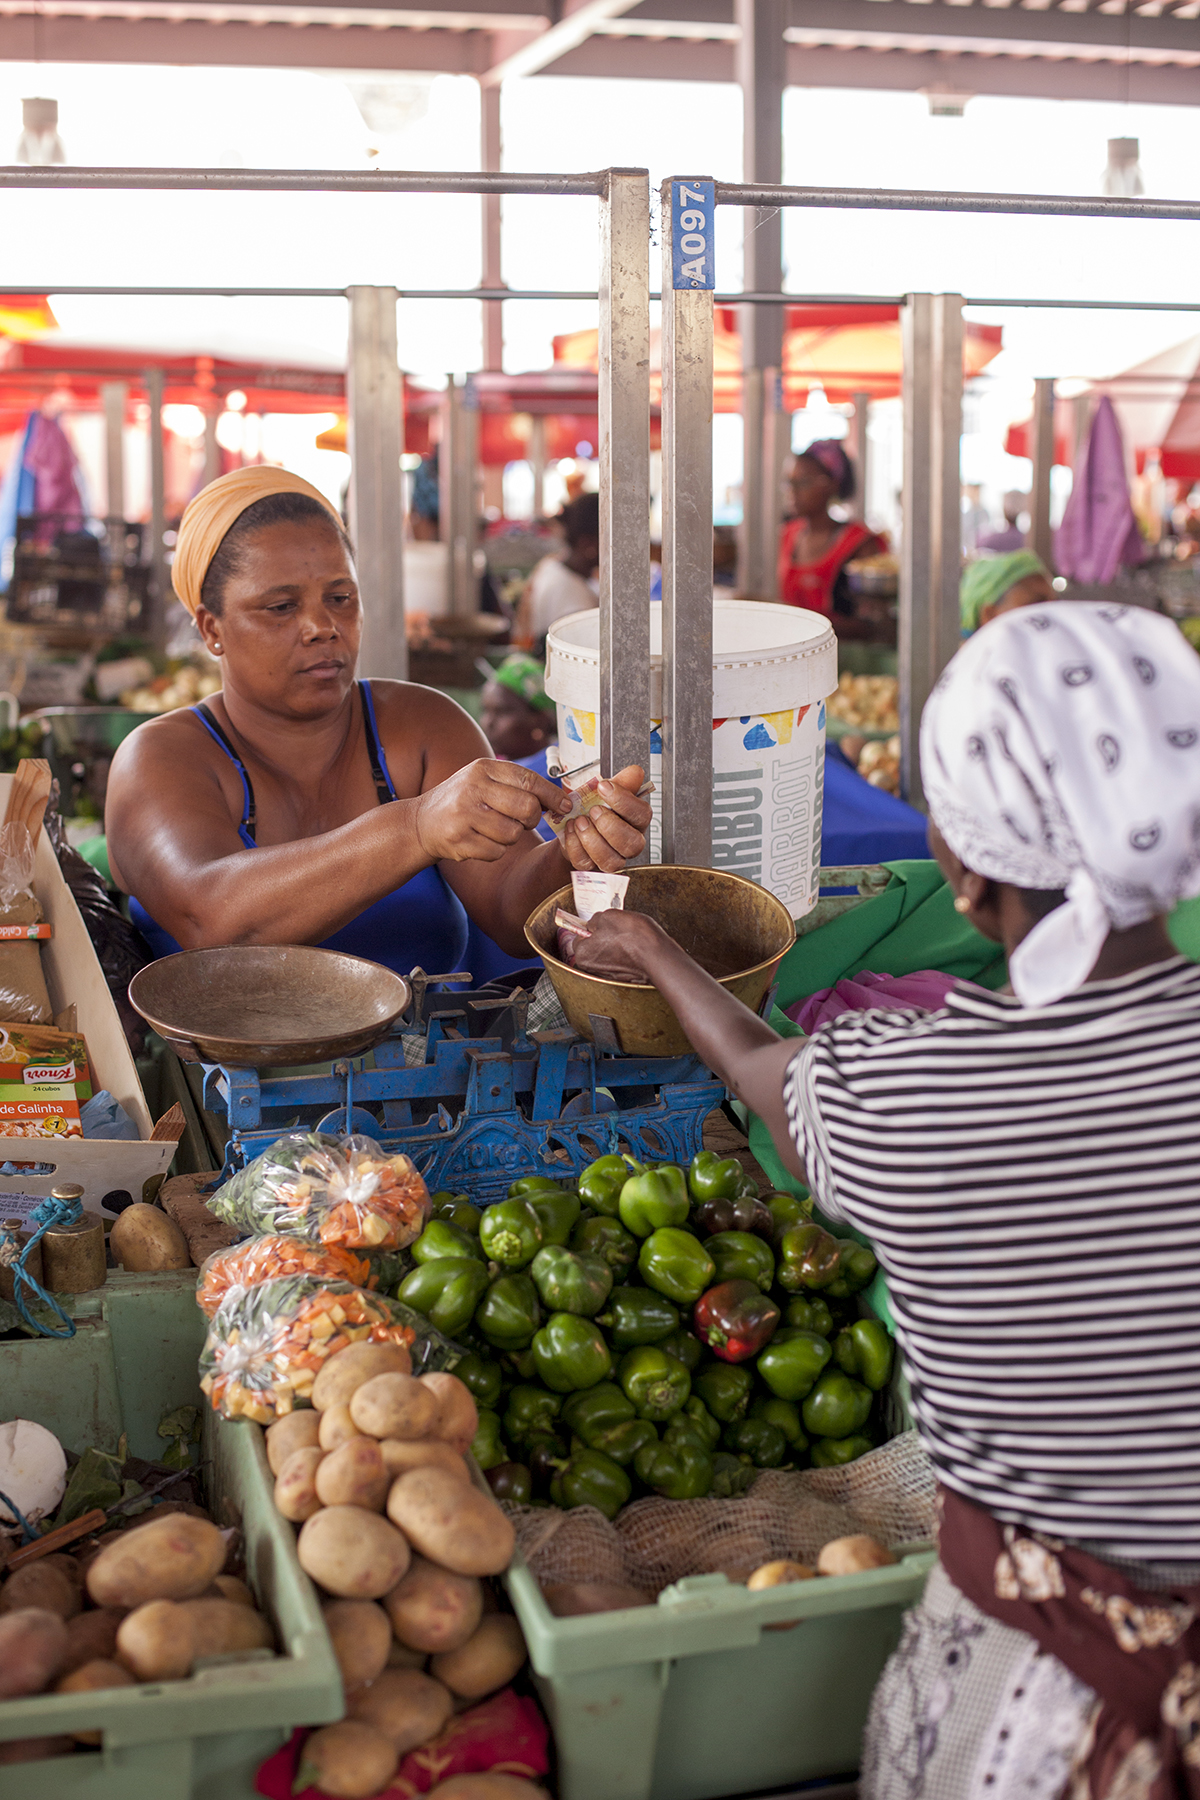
145 1606
398 1536
871 701
879 763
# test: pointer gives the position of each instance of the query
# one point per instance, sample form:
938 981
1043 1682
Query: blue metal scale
480 1110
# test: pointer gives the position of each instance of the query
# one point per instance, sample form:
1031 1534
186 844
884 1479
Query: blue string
29 1534
45 1215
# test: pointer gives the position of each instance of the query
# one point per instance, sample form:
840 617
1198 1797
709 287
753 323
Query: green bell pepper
622 1442
652 1198
725 1389
532 1184
511 1481
837 1407
712 1177
457 1209
571 1353
808 1258
601 1183
811 1313
589 1478
731 1476
568 1282
792 1362
523 1364
676 1264
678 1471
488 1446
657 1384
762 1442
446 1291
609 1240
637 1316
783 1413
786 1211
441 1239
509 1314
482 1378
595 1408
511 1233
856 1269
864 1349
604 1419
740 1256
532 1412
686 1346
697 1416
831 1453
558 1212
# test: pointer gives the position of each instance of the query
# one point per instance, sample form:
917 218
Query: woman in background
999 584
815 547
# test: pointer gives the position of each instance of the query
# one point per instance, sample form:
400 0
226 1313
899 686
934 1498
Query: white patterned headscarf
1061 749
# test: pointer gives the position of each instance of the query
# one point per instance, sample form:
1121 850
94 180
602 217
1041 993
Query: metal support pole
537 462
760 59
687 585
931 333
490 155
375 436
765 445
1041 539
624 414
946 632
861 450
113 396
458 507
212 450
160 583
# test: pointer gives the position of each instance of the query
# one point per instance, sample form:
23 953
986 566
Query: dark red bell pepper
735 1319
742 1214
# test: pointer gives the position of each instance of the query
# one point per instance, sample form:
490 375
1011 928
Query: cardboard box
73 974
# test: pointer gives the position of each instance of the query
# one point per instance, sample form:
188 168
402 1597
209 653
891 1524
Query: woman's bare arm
740 1049
174 843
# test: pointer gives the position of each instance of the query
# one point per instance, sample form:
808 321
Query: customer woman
992 585
301 806
1026 1166
815 547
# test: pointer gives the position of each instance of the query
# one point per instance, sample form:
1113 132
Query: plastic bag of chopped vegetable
258 1259
266 1344
344 1191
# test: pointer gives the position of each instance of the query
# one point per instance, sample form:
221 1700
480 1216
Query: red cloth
1139 1650
811 585
507 1734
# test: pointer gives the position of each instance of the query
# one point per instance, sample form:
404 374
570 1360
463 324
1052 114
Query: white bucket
772 669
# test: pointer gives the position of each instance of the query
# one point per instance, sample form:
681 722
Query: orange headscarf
213 511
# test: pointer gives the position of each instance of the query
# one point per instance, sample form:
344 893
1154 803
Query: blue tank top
420 925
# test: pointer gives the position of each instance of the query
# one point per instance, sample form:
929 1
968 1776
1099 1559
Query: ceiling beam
1020 30
574 28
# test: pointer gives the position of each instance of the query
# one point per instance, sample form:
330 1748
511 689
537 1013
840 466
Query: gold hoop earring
961 903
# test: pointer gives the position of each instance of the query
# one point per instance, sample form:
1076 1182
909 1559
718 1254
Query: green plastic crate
133 1357
696 1696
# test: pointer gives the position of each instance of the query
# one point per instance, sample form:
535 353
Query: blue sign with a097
693 214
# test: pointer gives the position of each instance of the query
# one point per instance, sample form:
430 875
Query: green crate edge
144 1726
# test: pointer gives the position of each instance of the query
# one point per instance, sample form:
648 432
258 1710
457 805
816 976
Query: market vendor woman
301 806
1026 1167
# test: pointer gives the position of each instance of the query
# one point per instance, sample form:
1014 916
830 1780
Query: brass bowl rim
648 987
178 1033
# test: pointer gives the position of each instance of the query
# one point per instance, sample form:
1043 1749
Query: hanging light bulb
1122 178
39 141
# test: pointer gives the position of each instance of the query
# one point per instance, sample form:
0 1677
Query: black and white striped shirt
1030 1179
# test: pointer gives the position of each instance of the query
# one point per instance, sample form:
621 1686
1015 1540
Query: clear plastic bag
346 1192
258 1259
23 996
267 1344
